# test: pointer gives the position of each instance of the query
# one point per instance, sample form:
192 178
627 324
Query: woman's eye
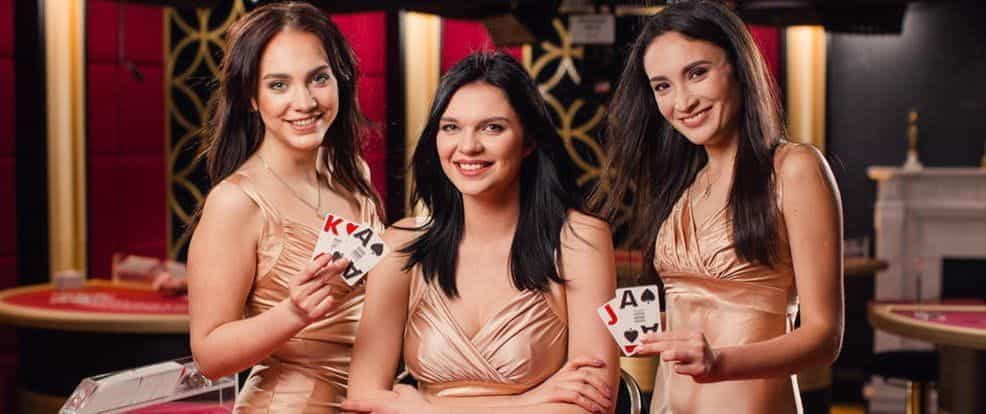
661 87
448 128
277 85
697 72
494 128
322 78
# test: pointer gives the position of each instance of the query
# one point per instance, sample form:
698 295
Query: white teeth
472 166
304 122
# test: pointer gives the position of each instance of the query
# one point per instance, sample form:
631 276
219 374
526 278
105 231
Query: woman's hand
169 284
309 293
405 400
688 352
574 385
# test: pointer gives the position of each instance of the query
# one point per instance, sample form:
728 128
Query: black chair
918 368
628 397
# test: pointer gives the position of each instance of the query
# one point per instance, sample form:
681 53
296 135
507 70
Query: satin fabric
310 370
708 288
520 346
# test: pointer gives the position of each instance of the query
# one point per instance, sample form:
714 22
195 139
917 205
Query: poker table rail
883 317
88 321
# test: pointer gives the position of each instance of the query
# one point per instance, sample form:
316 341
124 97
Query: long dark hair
234 131
650 160
546 193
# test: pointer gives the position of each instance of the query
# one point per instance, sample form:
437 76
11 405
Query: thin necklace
318 188
708 184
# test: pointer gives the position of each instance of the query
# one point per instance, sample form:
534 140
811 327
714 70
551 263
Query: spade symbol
377 248
647 296
630 335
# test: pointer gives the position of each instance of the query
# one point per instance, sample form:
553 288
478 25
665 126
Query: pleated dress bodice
311 370
521 345
709 288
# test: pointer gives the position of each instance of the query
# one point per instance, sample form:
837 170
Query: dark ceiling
880 16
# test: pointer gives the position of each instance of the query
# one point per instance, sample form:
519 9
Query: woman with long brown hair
742 227
283 150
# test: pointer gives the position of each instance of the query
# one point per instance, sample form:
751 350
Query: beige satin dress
522 344
708 288
310 370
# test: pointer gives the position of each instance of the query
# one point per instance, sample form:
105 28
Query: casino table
961 326
67 335
959 331
100 306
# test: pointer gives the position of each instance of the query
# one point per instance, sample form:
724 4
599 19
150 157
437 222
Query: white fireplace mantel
922 216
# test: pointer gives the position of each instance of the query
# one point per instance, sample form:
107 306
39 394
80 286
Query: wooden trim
87 321
805 53
65 84
881 316
422 35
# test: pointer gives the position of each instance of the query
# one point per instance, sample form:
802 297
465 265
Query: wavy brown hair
234 131
652 163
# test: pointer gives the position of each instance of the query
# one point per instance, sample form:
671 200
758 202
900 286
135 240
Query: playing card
634 312
364 248
614 323
331 237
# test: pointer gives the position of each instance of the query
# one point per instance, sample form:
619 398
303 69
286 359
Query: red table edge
89 321
881 316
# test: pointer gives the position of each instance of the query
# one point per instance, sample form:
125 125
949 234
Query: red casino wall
126 150
8 222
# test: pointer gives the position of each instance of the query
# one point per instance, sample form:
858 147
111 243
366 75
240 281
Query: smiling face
297 94
694 87
480 141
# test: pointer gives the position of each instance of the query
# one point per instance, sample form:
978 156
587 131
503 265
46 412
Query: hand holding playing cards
310 295
688 352
574 384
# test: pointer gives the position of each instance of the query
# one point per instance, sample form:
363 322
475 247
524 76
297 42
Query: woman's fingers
597 382
579 362
591 393
567 395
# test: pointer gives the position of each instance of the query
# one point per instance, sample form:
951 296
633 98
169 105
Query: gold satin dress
311 369
522 344
708 288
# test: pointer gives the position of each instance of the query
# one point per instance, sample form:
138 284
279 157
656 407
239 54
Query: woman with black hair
282 151
491 299
741 226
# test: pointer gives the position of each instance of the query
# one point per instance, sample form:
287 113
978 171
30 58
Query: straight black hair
650 160
547 193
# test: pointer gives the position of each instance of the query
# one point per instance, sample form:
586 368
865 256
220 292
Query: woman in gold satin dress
492 299
742 227
283 150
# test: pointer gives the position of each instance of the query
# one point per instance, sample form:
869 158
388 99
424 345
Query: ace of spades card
357 242
633 313
364 248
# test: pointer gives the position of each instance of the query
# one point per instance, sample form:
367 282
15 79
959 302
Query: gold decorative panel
193 44
579 111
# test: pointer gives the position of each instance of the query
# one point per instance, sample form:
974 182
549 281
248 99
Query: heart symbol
350 228
648 296
630 335
377 248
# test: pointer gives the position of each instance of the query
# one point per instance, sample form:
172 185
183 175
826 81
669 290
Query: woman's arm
813 214
381 329
221 269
